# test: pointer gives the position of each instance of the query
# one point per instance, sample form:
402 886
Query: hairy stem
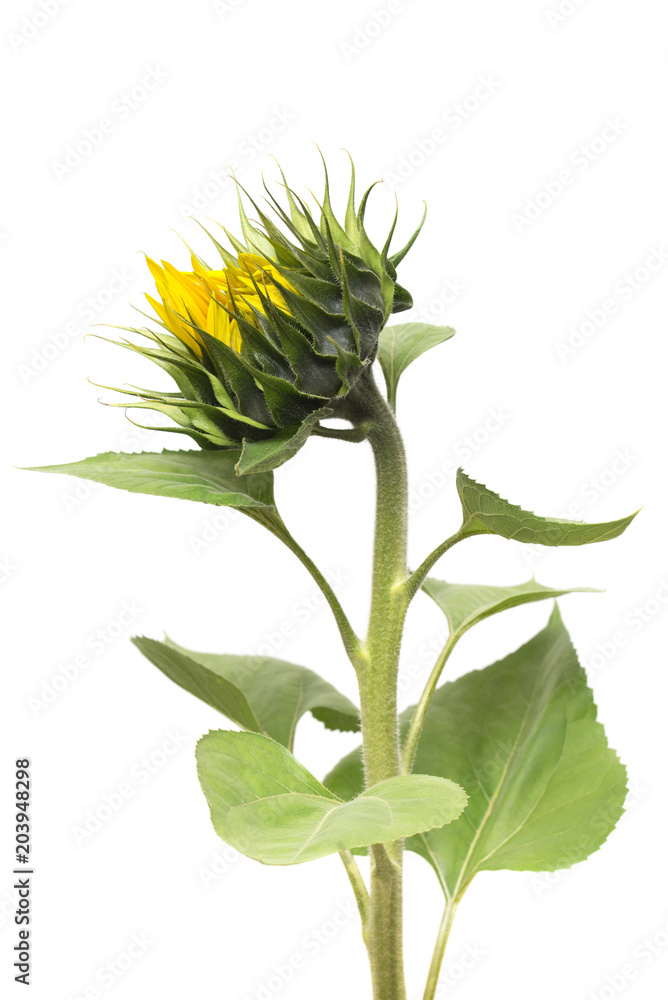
377 676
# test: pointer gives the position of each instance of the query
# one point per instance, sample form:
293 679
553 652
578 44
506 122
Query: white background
519 95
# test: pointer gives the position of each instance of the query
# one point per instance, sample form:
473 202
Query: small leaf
488 513
261 694
521 737
205 476
400 345
262 456
466 604
265 804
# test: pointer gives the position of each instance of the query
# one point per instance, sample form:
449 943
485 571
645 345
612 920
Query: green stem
377 676
439 949
351 641
355 434
417 722
417 578
359 889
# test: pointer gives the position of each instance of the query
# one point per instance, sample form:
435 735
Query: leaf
259 693
265 804
466 604
521 737
205 476
488 513
262 456
400 345
546 790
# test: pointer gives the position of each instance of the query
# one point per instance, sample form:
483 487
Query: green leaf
488 513
466 604
262 456
259 693
205 476
400 345
521 737
265 804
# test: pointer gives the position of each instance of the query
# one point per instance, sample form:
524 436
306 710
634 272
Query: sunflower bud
264 346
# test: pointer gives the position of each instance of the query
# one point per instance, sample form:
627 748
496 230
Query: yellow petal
223 327
202 296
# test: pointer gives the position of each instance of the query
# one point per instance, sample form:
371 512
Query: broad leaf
488 513
259 693
205 476
521 737
265 804
262 456
400 345
466 604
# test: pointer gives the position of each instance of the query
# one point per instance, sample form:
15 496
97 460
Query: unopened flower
271 339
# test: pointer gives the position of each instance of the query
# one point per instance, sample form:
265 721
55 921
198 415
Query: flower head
267 342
